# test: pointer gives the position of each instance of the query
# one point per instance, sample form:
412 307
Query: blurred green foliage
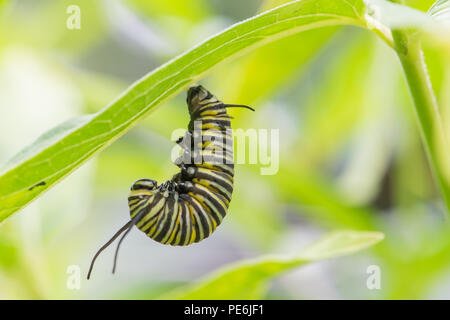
250 280
351 155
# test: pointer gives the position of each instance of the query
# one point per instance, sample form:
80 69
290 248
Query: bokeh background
350 152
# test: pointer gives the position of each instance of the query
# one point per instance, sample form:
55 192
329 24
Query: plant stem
407 46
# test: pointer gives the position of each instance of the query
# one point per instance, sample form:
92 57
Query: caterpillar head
143 185
198 97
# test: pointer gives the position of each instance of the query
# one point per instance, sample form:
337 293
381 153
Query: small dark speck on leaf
42 183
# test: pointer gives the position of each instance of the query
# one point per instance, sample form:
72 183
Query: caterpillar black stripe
190 206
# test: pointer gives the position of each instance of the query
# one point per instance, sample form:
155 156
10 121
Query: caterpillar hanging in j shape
190 206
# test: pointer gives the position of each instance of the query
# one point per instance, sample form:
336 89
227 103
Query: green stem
407 46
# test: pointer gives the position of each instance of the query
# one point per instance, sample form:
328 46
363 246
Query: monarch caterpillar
190 206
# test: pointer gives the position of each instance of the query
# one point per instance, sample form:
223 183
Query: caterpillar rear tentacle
189 207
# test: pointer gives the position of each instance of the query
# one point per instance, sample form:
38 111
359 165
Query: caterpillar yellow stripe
190 206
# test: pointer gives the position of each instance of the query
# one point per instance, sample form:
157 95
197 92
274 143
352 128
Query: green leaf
62 150
397 16
249 279
440 7
440 11
47 163
280 62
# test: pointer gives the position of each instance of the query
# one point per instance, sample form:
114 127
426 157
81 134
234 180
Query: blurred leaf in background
250 279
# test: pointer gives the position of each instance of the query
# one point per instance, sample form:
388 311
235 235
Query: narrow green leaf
397 16
440 8
45 164
27 177
249 279
440 11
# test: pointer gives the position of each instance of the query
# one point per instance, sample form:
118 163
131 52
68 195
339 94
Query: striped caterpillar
190 206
